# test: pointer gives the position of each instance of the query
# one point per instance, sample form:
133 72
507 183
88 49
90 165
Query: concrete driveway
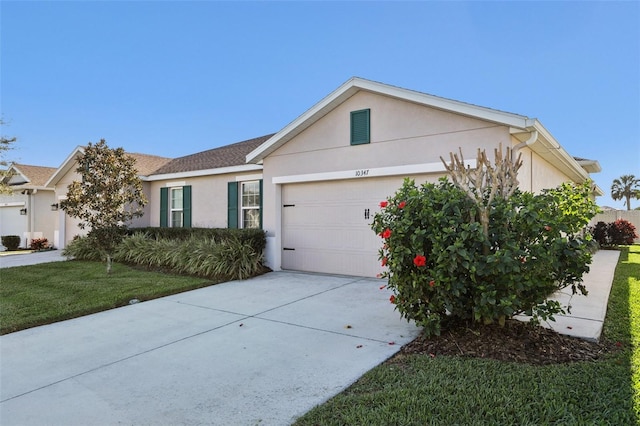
262 351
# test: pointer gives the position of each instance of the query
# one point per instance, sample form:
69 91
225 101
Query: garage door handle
287 248
366 213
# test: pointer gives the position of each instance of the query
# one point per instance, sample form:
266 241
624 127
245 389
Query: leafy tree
5 145
107 198
627 187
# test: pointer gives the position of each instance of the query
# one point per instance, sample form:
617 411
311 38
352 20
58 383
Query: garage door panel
325 226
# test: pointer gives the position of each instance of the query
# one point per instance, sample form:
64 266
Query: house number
361 173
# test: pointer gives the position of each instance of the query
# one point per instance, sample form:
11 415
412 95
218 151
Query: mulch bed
516 342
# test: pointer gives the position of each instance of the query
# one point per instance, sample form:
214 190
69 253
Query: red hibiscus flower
419 260
386 233
547 228
432 283
383 204
401 204
384 261
392 299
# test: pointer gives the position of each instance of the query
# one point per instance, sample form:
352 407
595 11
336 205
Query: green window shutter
164 207
360 127
186 206
260 203
232 204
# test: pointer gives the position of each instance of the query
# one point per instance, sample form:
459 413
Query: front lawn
446 390
57 291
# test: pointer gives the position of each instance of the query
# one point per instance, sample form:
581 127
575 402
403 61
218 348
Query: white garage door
326 226
12 222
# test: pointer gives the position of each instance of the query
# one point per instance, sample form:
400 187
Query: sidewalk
22 258
587 312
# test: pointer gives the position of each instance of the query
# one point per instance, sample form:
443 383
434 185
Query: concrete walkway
23 258
587 312
262 351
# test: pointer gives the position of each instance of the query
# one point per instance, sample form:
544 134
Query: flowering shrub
439 262
39 244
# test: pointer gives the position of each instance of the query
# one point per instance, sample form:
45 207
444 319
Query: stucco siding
401 133
208 198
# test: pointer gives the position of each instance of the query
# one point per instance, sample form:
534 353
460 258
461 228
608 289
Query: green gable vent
360 124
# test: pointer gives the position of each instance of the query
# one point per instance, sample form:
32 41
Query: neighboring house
26 212
315 186
67 227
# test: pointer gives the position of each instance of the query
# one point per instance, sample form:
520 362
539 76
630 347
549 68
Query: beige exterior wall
208 198
402 134
537 174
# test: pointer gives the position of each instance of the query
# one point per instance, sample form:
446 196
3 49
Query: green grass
51 292
420 390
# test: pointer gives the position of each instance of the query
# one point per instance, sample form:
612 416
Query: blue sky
173 78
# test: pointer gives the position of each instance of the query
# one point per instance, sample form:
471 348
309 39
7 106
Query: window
176 208
250 204
360 127
244 204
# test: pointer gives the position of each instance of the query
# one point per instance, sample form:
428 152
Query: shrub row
254 237
616 233
227 257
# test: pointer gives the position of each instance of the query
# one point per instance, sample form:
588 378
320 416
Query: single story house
26 210
315 185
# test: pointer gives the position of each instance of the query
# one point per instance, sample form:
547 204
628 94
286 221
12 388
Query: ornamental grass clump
442 261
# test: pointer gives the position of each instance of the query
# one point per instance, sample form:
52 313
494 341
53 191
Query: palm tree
627 187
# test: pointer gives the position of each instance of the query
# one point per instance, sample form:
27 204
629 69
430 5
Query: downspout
532 138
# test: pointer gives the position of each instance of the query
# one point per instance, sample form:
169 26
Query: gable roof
527 130
356 84
212 161
28 175
145 164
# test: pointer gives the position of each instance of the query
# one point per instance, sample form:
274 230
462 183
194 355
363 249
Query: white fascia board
305 120
18 172
553 152
355 84
64 167
406 170
14 204
206 172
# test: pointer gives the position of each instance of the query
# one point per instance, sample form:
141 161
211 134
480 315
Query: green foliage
82 248
613 234
254 237
626 187
11 242
108 196
227 259
42 294
5 173
440 264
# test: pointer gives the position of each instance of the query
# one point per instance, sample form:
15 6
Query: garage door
12 222
326 226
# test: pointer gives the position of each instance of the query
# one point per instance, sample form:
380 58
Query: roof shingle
37 175
224 156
